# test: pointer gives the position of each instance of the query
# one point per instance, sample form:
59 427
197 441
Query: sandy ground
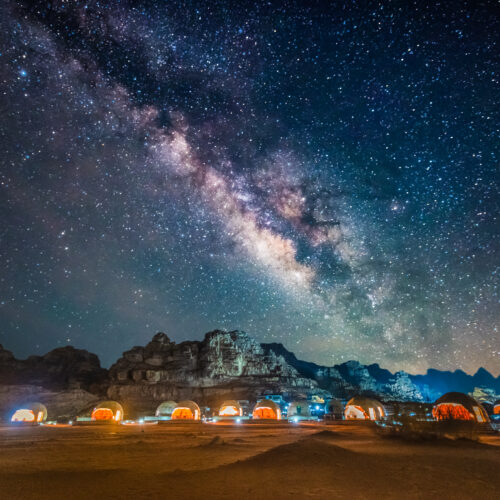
240 461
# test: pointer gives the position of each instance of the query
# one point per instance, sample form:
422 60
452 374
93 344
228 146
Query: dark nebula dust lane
319 174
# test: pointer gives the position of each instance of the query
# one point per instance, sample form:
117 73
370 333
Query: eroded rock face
227 365
60 369
352 378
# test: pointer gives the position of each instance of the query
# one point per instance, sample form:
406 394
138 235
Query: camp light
230 408
23 415
32 413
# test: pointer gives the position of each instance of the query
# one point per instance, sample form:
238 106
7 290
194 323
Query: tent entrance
182 414
265 412
451 411
102 414
229 411
23 416
355 412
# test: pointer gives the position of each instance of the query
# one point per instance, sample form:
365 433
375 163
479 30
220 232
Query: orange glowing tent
186 410
107 411
266 409
31 413
363 408
459 406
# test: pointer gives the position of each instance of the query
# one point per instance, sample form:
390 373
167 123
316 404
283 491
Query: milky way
314 173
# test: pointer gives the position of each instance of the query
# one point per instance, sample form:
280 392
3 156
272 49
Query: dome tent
32 413
165 409
334 409
266 409
186 410
230 408
459 406
107 411
363 408
299 410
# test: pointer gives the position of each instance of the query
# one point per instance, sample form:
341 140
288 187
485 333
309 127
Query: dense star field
320 174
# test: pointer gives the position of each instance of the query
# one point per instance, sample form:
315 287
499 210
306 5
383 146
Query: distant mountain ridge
373 378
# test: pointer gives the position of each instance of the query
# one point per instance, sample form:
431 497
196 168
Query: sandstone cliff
225 365
65 380
62 368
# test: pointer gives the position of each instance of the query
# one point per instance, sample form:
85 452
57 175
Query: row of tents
453 405
112 411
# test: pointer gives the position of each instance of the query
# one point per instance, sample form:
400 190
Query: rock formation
65 380
225 365
62 368
352 377
345 379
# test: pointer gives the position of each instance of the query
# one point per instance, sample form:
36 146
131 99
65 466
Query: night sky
320 174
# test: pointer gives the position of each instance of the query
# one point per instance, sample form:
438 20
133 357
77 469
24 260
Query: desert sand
208 461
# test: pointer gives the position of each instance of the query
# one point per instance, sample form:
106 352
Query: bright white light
23 415
229 411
